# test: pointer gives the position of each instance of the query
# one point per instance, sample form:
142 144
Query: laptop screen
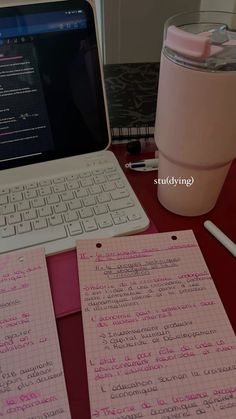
51 94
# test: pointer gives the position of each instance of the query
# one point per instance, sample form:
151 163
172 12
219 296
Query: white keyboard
57 210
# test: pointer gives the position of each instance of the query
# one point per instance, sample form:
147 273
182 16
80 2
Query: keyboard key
46 190
75 204
40 224
103 197
67 196
119 220
32 185
73 185
97 172
121 204
17 188
55 220
81 193
74 229
118 194
71 177
2 221
85 212
7 231
85 174
23 205
59 188
119 213
7 209
134 216
53 199
15 197
109 170
90 224
109 186
32 238
100 179
4 191
30 215
3 199
95 189
38 202
119 184
45 211
14 218
71 216
59 208
114 176
31 193
104 221
23 227
90 200
86 182
45 182
100 209
59 179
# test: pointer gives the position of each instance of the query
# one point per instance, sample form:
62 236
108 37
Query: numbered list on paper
158 341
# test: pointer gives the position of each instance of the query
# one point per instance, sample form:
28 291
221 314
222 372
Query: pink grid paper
157 338
32 378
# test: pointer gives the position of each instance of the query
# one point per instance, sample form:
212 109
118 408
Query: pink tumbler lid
202 40
189 44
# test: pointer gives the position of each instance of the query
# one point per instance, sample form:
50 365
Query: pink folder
63 275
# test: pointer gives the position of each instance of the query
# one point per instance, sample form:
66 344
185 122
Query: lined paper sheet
158 341
32 384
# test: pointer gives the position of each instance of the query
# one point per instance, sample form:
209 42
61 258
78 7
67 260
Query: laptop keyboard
56 211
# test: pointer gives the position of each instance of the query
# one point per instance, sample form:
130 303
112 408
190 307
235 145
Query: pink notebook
63 275
32 377
158 341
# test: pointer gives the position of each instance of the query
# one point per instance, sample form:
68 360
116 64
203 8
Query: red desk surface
221 264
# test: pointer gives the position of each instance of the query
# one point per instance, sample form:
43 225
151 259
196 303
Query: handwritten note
158 341
32 384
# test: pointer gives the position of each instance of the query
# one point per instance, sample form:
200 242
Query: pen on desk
143 163
219 235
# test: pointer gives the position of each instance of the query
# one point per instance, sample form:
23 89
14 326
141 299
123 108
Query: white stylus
219 235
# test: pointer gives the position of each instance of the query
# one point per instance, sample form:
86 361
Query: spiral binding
125 134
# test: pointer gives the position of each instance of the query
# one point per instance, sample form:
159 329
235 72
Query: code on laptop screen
51 96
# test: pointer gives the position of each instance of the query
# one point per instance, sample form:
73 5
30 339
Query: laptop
58 181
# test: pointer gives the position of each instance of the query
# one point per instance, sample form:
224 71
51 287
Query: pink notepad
32 383
158 341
